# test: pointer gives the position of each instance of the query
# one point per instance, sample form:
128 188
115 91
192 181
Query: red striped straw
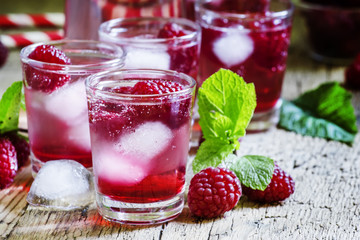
23 39
18 20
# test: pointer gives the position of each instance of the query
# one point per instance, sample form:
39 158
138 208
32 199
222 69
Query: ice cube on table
62 185
69 102
148 140
233 48
147 58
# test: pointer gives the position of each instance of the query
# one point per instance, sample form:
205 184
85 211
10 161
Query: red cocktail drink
55 96
140 123
251 40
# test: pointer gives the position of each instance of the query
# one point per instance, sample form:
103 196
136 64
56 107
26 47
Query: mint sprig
324 112
226 106
10 107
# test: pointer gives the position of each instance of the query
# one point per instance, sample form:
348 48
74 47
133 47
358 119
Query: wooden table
325 205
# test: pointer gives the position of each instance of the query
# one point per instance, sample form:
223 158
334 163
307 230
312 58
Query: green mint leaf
10 107
211 153
295 119
226 105
253 171
324 112
331 102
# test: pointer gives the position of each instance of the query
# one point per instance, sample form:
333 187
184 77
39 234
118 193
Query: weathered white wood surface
325 205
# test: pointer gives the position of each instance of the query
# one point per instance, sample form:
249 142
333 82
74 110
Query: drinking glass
83 17
58 120
251 38
140 144
332 29
150 43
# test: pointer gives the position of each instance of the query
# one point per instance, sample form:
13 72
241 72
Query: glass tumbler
251 38
157 43
83 17
140 143
57 117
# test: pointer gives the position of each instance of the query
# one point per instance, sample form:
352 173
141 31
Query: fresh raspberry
352 74
42 80
182 58
8 163
4 52
280 188
171 30
21 146
173 113
213 191
151 87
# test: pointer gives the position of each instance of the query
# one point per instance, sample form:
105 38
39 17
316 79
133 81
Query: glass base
263 121
139 213
36 164
331 60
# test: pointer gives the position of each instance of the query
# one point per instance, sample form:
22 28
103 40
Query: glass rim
106 27
117 60
247 16
91 83
313 6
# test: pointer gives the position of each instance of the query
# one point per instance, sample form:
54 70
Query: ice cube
147 58
233 48
69 102
79 134
63 185
114 167
148 140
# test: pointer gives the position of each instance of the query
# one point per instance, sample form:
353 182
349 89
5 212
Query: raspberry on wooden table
47 81
280 188
21 146
4 52
213 191
8 162
352 74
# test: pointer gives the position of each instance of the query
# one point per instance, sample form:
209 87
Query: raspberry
213 191
8 163
42 80
21 146
280 188
171 30
151 87
4 52
352 74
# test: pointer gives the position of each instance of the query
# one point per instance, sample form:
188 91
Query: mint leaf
330 102
226 105
211 153
324 112
254 171
9 108
293 118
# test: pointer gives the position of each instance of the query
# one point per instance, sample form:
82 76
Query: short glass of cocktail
54 78
157 43
250 38
140 123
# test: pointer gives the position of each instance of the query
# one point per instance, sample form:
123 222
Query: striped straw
23 39
18 20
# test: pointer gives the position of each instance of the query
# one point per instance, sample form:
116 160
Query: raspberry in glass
47 81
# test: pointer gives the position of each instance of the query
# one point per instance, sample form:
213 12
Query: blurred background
31 6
